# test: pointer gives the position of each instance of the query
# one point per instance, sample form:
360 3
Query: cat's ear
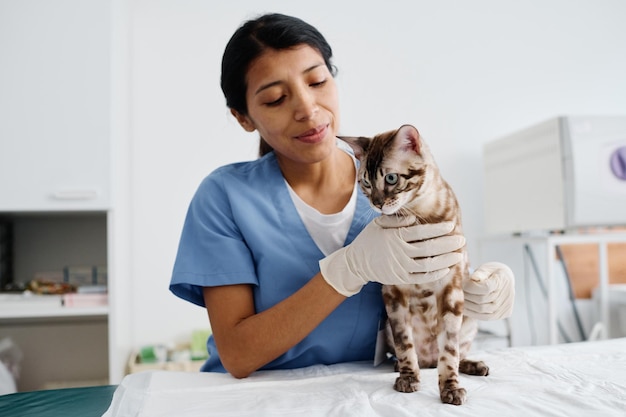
359 144
408 139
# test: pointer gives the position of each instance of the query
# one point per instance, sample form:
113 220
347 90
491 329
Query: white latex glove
490 292
394 256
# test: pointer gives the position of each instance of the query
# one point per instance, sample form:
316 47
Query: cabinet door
54 104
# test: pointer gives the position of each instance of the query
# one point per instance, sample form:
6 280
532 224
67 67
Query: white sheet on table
581 379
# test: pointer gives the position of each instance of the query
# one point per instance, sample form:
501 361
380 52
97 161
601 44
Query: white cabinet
54 105
55 157
76 337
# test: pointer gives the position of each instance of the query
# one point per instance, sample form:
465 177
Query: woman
283 251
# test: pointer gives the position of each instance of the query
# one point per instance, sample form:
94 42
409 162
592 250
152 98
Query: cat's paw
406 383
482 369
454 396
473 368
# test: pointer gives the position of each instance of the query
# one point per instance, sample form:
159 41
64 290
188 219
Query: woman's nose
305 105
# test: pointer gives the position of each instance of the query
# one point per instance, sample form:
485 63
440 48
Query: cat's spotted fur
399 175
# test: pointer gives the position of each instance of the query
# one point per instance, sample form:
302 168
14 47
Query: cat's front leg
448 367
409 378
449 355
403 341
406 356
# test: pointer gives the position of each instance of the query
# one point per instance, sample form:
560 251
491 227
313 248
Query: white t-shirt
328 231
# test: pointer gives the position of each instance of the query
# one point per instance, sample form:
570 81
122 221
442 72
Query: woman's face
293 103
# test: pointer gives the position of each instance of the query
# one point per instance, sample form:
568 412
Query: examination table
67 402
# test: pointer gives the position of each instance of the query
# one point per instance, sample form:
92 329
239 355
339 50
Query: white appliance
564 173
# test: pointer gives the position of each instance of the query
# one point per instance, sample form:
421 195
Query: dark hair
274 31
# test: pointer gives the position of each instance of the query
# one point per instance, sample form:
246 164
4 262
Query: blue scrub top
243 228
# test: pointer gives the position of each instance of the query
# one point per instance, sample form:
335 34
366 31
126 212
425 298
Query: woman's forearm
246 341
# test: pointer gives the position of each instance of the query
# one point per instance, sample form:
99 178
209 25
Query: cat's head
394 167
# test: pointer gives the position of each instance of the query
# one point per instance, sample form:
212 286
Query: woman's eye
318 84
391 179
275 102
365 182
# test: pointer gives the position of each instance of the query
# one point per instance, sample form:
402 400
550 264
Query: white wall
463 72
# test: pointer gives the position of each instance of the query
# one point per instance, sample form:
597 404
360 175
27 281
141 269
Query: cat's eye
365 182
391 179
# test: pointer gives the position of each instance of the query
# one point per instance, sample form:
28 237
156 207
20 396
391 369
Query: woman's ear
243 120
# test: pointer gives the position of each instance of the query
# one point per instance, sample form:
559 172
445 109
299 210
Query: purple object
618 163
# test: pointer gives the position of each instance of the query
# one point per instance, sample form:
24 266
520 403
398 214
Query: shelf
55 312
18 307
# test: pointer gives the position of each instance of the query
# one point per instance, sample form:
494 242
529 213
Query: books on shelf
85 299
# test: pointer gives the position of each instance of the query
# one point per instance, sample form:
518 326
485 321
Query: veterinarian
285 252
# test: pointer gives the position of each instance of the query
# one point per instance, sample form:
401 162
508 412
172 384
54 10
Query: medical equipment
564 173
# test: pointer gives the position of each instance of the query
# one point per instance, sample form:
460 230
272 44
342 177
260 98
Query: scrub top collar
293 226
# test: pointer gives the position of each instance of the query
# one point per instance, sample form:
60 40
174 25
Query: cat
427 328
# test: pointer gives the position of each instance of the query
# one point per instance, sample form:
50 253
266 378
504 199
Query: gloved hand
415 254
490 292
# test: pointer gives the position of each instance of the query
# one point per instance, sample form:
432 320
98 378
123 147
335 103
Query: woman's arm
247 341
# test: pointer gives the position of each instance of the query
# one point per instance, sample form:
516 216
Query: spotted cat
427 327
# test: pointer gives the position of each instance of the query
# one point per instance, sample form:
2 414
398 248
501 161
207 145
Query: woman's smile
314 135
